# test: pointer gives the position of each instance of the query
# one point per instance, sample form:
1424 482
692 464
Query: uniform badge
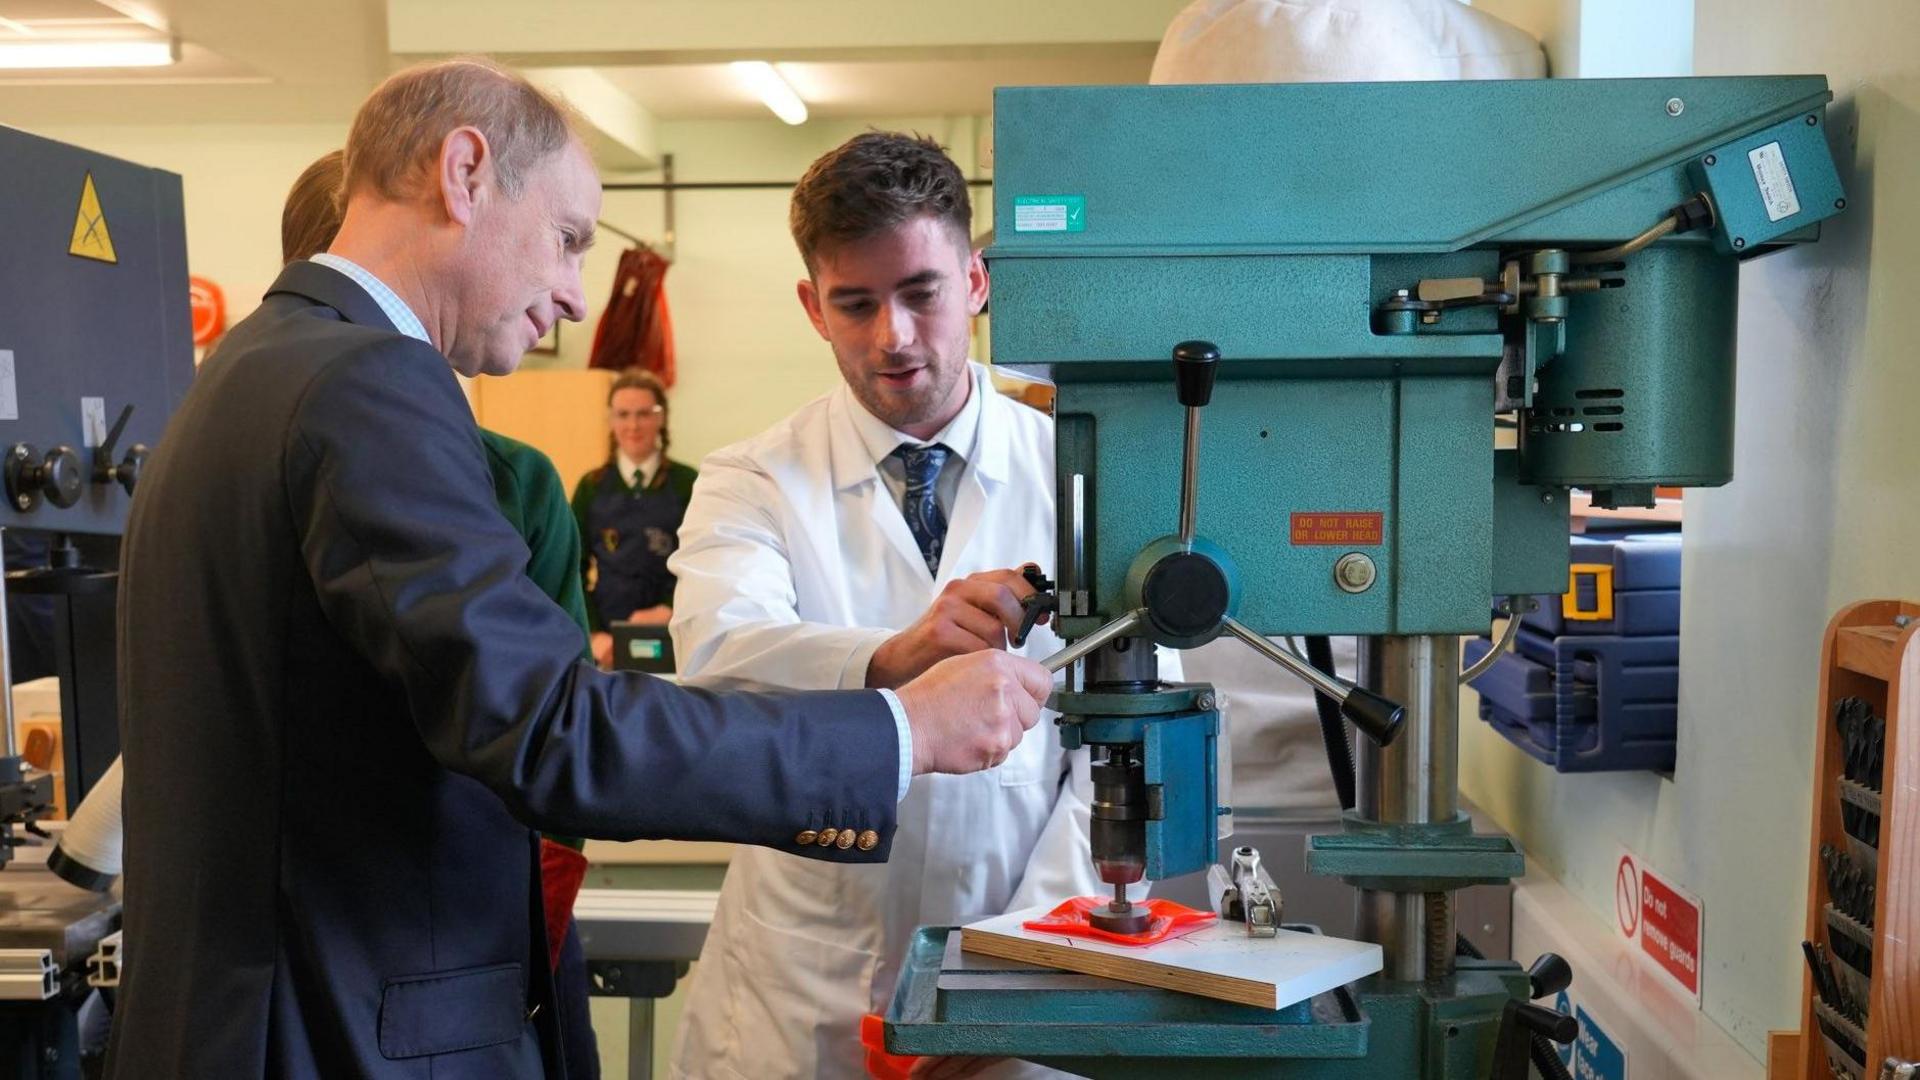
660 542
610 539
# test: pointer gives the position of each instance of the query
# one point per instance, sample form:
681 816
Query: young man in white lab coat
873 532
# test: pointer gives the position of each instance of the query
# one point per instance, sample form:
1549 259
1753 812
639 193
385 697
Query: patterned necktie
921 503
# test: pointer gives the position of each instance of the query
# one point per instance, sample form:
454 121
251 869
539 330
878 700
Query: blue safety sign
1595 1055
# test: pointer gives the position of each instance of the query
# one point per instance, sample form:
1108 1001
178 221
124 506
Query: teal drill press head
1561 252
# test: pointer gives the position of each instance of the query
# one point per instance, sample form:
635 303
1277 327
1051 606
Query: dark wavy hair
871 183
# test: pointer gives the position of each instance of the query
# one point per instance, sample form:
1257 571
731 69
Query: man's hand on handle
972 613
969 712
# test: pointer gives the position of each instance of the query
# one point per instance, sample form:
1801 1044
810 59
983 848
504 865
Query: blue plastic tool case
1593 681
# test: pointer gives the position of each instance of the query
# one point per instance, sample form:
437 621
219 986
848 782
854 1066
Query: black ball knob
1194 365
61 477
128 471
1549 975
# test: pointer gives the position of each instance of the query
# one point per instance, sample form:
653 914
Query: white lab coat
794 565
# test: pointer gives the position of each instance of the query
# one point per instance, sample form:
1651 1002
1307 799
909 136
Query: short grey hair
397 134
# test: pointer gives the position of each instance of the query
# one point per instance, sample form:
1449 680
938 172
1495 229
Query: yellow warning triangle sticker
90 238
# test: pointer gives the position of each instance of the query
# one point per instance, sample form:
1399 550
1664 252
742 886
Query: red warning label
1338 528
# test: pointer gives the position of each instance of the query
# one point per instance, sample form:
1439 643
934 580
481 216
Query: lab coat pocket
796 998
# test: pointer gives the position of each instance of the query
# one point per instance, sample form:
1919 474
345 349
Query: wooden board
1218 961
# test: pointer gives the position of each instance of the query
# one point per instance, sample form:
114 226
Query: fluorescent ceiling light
20 55
764 80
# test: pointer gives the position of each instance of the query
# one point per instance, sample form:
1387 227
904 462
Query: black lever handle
1540 1020
1194 365
1521 1043
1549 975
1043 600
1380 719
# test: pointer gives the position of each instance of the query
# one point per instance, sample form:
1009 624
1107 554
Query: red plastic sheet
1169 920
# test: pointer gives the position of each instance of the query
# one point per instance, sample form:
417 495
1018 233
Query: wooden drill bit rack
1863 837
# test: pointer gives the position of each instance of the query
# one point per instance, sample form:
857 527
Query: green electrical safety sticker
1049 213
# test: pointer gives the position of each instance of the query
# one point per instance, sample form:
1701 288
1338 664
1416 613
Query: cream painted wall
746 354
1618 39
1822 511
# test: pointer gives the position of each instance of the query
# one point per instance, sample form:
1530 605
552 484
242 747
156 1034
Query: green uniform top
531 495
674 481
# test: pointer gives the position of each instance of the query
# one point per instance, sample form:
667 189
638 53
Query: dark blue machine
96 351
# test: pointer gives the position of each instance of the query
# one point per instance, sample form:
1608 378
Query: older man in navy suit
346 708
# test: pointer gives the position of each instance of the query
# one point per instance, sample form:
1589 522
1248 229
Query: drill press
1354 283
1154 746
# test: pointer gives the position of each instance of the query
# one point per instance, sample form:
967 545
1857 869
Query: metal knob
127 473
1549 975
1194 366
59 477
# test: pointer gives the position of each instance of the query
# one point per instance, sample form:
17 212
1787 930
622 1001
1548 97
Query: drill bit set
1842 968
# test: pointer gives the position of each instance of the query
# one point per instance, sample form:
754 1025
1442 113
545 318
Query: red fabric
880 1064
562 869
1169 920
635 329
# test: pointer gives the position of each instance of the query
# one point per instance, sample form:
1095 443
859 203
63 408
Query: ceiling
867 87
294 60
29 21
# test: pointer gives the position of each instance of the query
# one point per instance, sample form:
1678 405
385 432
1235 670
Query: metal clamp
1245 892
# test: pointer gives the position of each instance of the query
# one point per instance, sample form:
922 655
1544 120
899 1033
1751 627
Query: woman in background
629 512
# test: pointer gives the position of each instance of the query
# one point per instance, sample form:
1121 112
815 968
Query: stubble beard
900 411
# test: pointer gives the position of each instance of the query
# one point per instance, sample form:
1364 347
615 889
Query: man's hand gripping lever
967 713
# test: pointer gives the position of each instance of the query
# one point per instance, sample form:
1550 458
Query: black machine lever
1044 600
1377 717
127 472
1195 363
1524 1041
1528 1031
1549 975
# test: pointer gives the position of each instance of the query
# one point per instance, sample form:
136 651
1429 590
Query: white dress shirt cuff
905 739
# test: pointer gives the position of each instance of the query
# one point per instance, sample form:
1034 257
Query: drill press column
1412 780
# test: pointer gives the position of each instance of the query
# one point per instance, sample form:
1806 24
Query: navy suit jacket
345 709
